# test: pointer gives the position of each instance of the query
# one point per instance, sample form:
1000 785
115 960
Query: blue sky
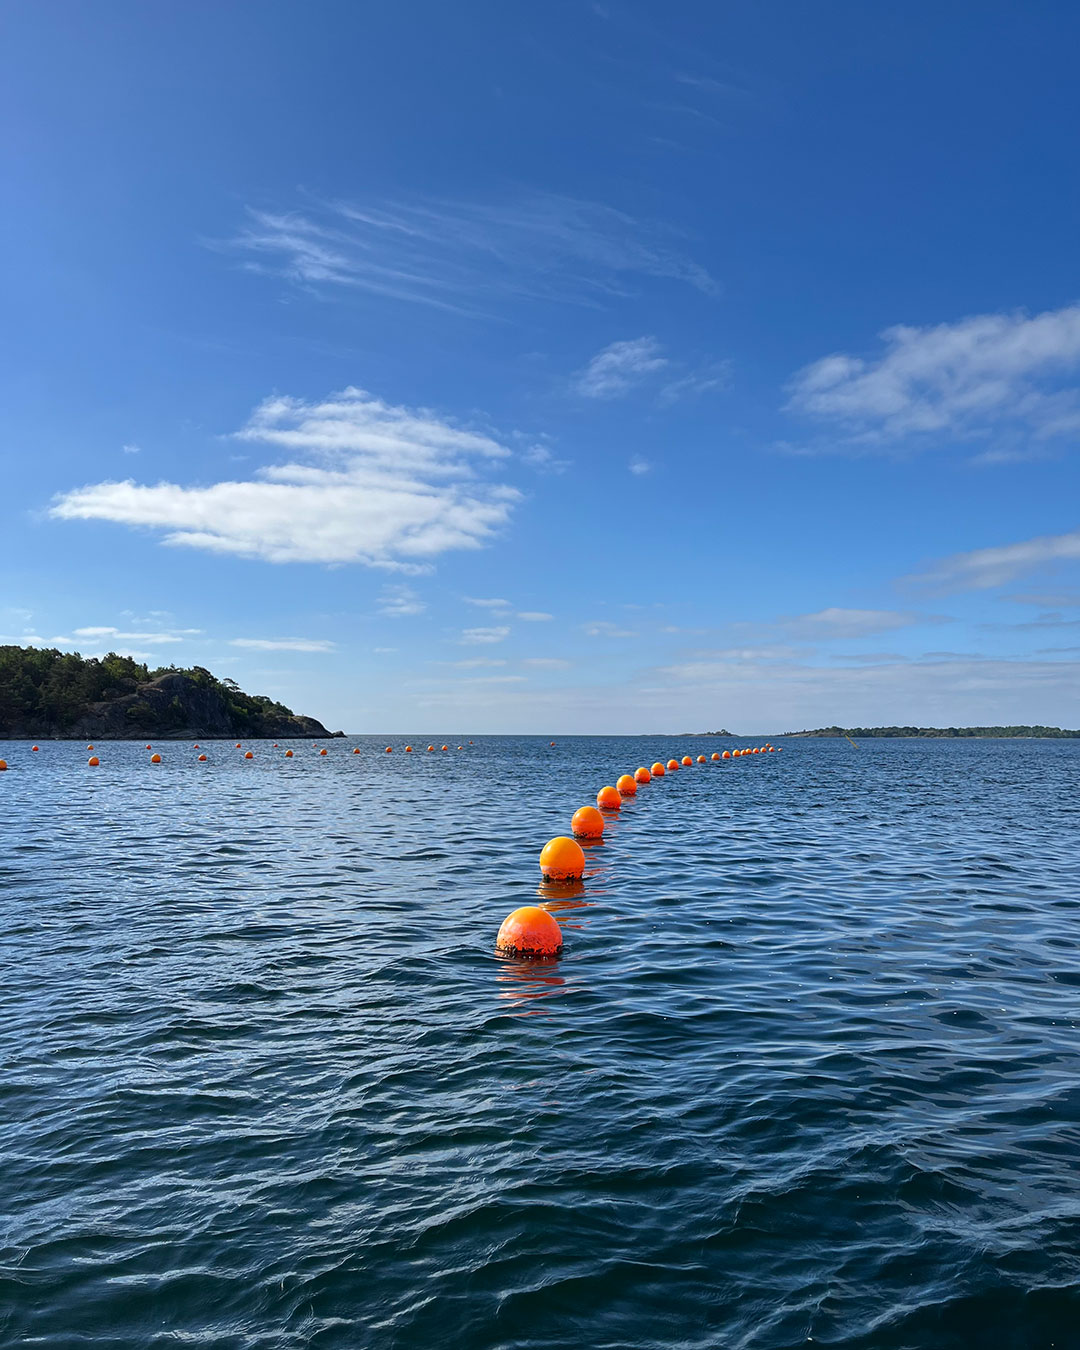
576 367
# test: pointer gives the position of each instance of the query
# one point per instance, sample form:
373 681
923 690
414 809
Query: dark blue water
808 1071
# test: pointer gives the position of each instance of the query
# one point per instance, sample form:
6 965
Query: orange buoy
626 785
642 775
33 747
202 759
726 754
288 754
431 747
238 745
687 761
248 754
93 761
275 746
389 750
461 747
587 823
657 770
715 755
562 859
195 746
89 747
530 931
156 759
3 765
608 799
322 752
408 749
701 759
149 747
672 764
446 747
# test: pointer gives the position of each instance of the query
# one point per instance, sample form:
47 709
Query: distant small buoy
33 747
716 754
672 764
149 746
195 746
3 765
608 799
275 746
657 770
562 859
389 750
701 759
642 775
431 747
238 745
408 749
156 759
445 747
249 754
288 754
461 747
779 748
530 931
89 747
93 761
322 752
735 754
587 823
627 785
687 761
726 754
202 759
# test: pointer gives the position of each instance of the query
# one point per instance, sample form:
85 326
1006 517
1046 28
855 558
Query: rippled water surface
806 1071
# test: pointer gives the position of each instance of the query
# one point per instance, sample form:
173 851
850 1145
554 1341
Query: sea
806 1073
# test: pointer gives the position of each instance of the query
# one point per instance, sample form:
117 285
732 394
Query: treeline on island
48 693
988 733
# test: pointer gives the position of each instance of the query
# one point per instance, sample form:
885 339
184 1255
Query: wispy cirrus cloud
366 482
107 634
400 602
991 374
472 637
837 622
466 255
984 568
284 644
605 628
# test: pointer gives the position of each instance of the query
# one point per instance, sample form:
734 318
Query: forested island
47 694
938 733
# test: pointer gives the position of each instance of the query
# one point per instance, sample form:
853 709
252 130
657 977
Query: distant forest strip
945 733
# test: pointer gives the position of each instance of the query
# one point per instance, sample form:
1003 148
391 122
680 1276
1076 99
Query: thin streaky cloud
619 367
284 644
984 568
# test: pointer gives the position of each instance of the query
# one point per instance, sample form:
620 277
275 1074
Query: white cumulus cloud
366 482
984 374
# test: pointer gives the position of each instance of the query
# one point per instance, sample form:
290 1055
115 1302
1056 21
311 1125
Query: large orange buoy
562 859
93 761
657 770
726 754
642 775
202 759
701 759
322 752
587 823
530 931
288 754
155 759
626 785
3 765
687 761
672 764
249 754
608 799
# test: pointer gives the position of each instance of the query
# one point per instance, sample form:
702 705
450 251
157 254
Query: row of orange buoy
532 930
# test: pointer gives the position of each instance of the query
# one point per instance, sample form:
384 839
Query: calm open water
808 1071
